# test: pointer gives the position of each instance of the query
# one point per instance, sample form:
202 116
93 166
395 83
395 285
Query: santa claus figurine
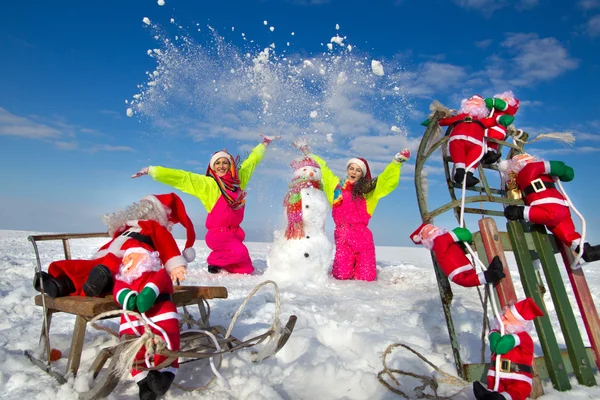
451 257
467 132
146 224
544 203
501 104
143 285
515 348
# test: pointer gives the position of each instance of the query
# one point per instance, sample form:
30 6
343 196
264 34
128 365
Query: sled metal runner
525 241
194 346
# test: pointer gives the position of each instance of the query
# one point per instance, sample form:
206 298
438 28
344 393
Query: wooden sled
194 346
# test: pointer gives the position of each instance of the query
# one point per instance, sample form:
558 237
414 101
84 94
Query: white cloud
14 125
593 26
588 4
107 147
526 4
432 77
488 7
537 59
482 44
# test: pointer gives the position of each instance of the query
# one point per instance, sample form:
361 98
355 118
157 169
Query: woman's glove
143 171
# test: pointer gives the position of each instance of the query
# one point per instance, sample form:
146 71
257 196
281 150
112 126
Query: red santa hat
220 154
363 164
526 310
416 235
177 215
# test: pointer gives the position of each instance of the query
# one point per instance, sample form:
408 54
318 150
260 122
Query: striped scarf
293 206
337 193
230 182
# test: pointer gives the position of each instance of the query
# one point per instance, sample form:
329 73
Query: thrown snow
329 137
329 46
394 128
337 27
146 20
334 353
129 112
377 68
265 22
272 28
337 39
313 114
342 78
161 2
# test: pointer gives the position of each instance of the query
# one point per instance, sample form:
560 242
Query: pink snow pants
354 253
228 251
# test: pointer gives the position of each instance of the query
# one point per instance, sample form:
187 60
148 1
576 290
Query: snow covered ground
335 351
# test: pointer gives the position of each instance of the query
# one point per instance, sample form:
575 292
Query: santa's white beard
429 240
510 328
479 111
144 210
152 263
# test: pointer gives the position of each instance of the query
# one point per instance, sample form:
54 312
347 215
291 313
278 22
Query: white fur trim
511 375
516 314
416 238
506 395
358 162
175 262
499 129
549 200
153 287
460 165
575 243
160 207
517 340
547 167
526 213
465 137
189 254
157 318
459 270
481 278
454 236
140 376
170 369
217 155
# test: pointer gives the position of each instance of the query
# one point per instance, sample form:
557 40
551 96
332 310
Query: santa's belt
537 186
140 238
509 366
164 297
466 120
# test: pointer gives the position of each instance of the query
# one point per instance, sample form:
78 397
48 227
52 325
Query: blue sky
68 148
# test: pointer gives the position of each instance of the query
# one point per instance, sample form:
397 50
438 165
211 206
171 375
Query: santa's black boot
99 281
491 157
213 269
145 392
514 213
471 180
160 382
493 396
459 175
479 391
591 253
53 287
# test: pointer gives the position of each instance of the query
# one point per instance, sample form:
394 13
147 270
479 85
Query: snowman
302 252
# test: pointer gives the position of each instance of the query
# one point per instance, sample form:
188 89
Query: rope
575 263
428 381
155 344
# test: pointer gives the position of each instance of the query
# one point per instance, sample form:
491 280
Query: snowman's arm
387 181
203 187
249 165
330 181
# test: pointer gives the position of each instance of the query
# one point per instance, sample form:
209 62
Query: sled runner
204 341
528 242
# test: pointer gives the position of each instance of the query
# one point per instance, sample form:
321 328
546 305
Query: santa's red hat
416 235
177 215
363 164
526 310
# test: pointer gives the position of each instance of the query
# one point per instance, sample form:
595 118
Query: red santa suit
499 131
545 205
162 316
141 233
466 144
516 373
449 254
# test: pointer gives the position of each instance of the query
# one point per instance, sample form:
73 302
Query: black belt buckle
505 365
538 185
468 118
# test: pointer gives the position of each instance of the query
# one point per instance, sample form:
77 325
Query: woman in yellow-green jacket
221 191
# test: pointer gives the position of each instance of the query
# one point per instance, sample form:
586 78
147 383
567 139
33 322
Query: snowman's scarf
293 206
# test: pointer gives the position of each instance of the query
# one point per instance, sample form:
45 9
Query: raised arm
329 179
387 180
203 187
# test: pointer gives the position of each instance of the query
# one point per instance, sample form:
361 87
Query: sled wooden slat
89 307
